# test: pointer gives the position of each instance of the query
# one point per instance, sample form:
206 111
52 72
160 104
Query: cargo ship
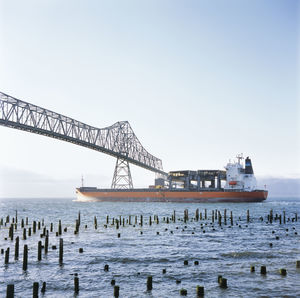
236 184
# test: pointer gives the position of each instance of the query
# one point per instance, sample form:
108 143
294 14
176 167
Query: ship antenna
239 157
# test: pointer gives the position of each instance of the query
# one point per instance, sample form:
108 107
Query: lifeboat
232 183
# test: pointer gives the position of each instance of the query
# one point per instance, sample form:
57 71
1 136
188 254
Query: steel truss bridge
117 140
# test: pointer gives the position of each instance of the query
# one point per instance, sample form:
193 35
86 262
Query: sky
199 82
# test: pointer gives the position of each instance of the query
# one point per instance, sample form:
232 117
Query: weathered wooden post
34 227
116 291
225 217
223 283
76 284
197 214
11 232
25 257
46 244
17 248
43 289
263 270
24 234
59 228
95 222
39 250
6 260
212 216
149 283
248 215
205 214
200 291
35 292
61 250
284 217
10 291
231 218
282 272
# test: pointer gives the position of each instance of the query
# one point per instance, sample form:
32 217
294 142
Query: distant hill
281 187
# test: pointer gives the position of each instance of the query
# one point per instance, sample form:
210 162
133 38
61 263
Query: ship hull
175 196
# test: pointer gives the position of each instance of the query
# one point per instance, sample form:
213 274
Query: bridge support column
122 175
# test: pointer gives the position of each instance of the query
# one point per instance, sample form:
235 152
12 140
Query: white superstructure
239 177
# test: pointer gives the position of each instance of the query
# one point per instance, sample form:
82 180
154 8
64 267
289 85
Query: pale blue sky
199 82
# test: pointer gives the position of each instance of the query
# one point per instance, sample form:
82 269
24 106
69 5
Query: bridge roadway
117 140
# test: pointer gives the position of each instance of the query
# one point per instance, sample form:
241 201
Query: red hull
178 196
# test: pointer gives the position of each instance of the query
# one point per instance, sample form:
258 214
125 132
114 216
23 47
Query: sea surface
143 251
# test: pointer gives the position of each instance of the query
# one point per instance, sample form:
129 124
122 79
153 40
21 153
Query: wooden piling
46 244
197 214
59 228
35 292
248 215
231 218
10 291
223 283
11 232
263 270
76 285
34 227
43 289
6 260
61 250
149 283
95 222
25 257
116 291
183 292
205 214
39 250
17 248
282 272
200 291
252 269
297 264
284 217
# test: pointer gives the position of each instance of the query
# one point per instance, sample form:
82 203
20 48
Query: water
226 251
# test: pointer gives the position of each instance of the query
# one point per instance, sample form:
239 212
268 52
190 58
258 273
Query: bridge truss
117 140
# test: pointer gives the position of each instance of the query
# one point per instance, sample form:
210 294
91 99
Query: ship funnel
248 166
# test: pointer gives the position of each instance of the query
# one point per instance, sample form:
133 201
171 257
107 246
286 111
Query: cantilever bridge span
117 140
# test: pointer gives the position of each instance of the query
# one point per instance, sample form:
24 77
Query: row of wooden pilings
199 289
215 216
